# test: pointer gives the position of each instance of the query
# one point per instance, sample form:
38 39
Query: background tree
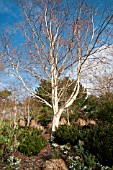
58 39
5 103
100 108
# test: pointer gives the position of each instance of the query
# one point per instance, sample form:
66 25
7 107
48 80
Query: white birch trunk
15 115
56 119
55 123
28 115
72 98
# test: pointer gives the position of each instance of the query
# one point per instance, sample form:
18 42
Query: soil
34 162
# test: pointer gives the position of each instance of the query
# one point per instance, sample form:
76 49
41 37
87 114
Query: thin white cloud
7 7
3 86
97 69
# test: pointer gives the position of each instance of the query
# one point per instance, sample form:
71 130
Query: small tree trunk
28 115
56 119
68 122
15 115
55 122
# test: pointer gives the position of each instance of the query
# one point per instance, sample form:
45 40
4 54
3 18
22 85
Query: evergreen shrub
67 134
31 141
44 120
45 116
99 142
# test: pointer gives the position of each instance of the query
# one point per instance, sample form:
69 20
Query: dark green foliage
45 113
44 120
88 160
79 158
44 90
100 108
92 103
92 107
105 113
45 117
67 134
30 141
99 142
73 117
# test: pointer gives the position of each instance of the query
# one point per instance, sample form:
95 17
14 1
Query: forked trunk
55 122
56 119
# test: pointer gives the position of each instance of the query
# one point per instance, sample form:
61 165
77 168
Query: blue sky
9 12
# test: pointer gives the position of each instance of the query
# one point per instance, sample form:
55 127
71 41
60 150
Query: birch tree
58 37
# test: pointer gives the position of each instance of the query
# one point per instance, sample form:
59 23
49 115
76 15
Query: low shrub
99 142
79 158
30 141
67 134
105 113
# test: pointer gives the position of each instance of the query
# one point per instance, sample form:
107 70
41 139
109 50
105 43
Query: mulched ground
34 162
